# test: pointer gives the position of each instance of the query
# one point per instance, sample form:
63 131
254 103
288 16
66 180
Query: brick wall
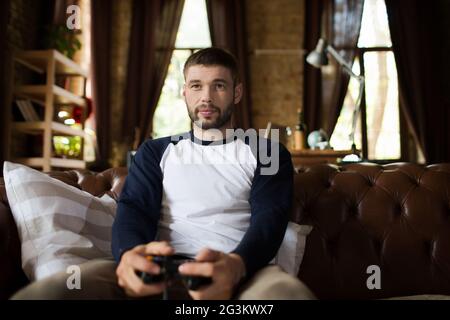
24 23
121 27
25 31
275 39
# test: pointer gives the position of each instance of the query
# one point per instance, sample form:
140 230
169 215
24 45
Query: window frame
360 51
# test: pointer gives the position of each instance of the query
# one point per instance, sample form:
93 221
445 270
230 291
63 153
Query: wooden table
309 157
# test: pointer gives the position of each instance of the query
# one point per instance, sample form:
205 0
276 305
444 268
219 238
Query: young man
209 194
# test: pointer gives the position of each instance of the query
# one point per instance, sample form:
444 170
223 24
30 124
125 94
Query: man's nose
206 95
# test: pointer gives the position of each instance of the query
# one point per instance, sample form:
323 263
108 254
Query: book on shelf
27 110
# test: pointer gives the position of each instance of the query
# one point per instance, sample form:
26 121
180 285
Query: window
378 130
171 115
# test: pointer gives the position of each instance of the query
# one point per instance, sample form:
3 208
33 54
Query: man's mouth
206 112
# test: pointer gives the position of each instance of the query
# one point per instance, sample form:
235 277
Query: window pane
194 29
383 124
374 25
340 139
171 115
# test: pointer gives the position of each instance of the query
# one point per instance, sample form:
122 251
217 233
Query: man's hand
134 260
226 271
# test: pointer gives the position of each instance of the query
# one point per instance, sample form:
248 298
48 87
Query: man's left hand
226 271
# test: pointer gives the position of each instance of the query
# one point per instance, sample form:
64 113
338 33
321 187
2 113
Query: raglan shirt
223 195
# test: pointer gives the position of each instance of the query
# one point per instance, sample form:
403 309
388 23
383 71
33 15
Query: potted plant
66 41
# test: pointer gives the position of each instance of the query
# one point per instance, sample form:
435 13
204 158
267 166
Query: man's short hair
214 57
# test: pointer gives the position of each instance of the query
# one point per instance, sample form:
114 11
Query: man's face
210 96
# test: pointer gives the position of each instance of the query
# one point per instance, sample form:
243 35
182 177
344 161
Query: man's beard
222 118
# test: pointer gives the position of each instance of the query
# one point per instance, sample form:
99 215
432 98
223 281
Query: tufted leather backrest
396 217
109 181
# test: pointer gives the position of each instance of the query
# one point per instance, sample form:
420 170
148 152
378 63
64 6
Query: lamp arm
357 110
341 61
348 69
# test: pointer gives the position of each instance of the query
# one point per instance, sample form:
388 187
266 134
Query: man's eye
220 86
195 86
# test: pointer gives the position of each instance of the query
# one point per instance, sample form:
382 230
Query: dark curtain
227 27
339 21
101 21
5 82
347 16
153 34
420 41
312 83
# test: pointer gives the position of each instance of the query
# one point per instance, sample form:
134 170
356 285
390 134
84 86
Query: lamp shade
318 57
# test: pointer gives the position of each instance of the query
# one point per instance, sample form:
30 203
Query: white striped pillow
59 225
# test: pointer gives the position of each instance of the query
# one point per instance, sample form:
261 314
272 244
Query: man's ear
238 93
184 90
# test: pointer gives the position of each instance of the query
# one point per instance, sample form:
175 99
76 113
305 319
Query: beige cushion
59 225
290 254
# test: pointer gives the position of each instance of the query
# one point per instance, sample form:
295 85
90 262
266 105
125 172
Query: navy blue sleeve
270 202
139 205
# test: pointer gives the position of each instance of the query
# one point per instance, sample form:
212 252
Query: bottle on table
300 132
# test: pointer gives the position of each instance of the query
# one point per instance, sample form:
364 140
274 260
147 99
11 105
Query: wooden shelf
51 97
38 127
37 94
54 162
37 60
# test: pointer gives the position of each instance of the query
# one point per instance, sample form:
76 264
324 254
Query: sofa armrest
12 277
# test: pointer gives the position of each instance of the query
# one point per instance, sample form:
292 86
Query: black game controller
169 271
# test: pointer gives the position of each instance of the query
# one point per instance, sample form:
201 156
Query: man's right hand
134 260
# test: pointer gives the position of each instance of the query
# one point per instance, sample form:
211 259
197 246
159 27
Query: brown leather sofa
396 217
